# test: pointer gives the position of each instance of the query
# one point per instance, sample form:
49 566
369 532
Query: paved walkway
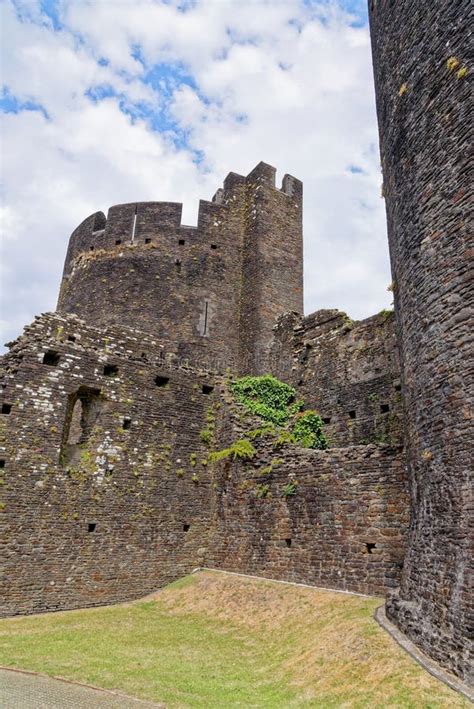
28 691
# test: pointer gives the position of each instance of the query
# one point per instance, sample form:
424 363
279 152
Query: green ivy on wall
274 402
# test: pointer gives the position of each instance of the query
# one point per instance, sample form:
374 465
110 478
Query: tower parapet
216 288
272 264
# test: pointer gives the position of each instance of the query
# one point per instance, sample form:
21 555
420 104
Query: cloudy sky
108 101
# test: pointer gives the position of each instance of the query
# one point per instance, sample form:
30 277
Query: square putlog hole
51 358
6 409
110 370
161 381
352 414
384 408
91 527
207 388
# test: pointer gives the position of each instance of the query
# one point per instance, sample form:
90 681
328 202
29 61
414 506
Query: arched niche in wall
82 415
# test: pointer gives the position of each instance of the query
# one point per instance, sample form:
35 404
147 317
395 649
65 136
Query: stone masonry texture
348 371
218 288
109 491
112 407
423 67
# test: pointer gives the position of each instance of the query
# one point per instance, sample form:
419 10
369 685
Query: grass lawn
217 640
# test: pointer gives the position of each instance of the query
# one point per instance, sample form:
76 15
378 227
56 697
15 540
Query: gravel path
20 690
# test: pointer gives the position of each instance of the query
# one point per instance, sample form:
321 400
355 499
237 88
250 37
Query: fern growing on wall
274 401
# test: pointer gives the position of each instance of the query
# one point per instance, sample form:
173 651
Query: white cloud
282 82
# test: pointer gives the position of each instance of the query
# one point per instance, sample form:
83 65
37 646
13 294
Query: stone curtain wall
348 371
423 68
109 492
344 527
108 503
215 289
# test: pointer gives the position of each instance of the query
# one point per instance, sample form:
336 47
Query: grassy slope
216 640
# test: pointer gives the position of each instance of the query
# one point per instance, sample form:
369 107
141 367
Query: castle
110 490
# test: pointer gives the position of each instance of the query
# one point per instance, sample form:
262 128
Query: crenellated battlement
265 174
219 285
160 223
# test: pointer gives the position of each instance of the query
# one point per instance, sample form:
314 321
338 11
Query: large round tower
213 291
421 78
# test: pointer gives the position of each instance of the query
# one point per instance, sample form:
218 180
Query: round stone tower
421 77
214 291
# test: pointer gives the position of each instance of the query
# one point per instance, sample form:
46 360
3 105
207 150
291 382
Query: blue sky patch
98 93
50 9
166 77
356 8
11 104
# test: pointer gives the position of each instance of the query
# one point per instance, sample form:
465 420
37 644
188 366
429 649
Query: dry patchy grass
219 640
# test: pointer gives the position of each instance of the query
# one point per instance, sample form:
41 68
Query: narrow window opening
147 241
326 419
71 338
134 225
306 352
127 422
214 246
51 358
6 408
110 370
352 414
207 389
2 463
161 381
288 542
370 546
186 527
384 408
118 242
206 315
181 242
91 527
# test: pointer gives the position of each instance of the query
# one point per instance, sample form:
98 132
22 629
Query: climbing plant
267 397
274 401
242 449
308 431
